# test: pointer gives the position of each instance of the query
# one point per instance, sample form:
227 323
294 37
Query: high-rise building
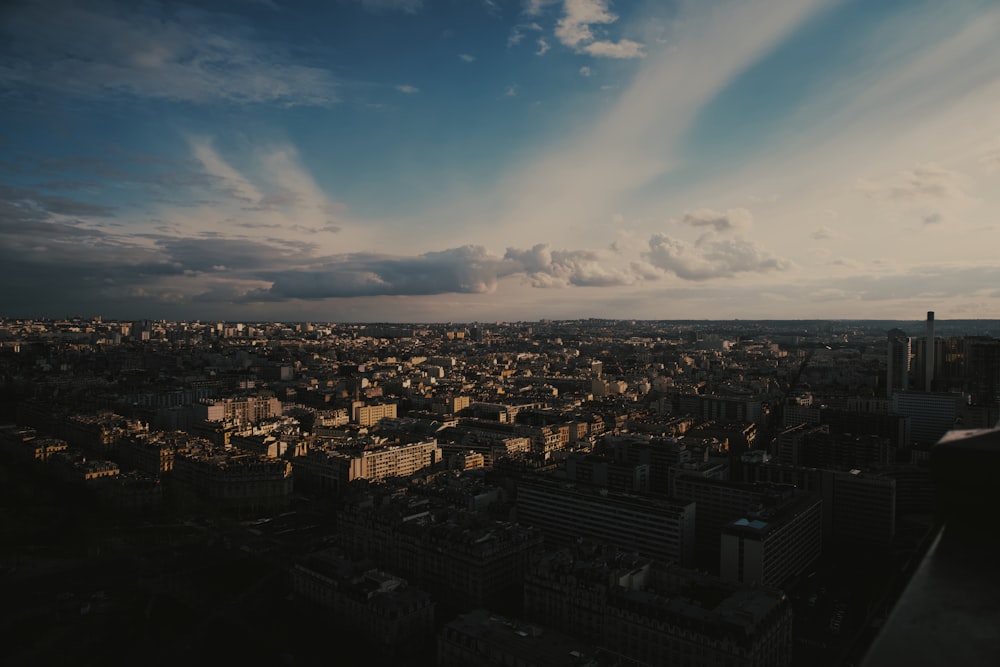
897 374
772 547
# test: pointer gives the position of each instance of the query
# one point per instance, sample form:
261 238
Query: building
652 613
457 555
247 409
483 638
931 414
239 482
390 616
333 469
897 362
862 507
772 547
719 503
369 415
721 408
655 527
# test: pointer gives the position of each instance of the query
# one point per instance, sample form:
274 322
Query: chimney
929 352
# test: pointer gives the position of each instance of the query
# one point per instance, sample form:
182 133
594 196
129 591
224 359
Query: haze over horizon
480 160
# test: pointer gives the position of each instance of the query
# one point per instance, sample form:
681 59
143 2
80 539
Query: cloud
623 49
545 267
96 50
933 219
464 270
407 89
576 30
706 258
921 183
543 47
992 157
719 221
511 90
535 7
517 33
585 71
824 233
45 203
466 57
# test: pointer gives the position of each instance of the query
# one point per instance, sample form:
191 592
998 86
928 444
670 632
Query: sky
500 160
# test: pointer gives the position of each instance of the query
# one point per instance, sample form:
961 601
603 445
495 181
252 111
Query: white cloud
543 47
466 57
407 89
517 33
625 48
585 71
576 30
707 258
511 90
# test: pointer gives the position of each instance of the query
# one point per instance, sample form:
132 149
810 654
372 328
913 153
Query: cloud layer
182 55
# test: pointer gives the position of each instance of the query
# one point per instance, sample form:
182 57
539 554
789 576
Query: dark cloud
733 219
464 270
27 198
148 51
468 269
207 253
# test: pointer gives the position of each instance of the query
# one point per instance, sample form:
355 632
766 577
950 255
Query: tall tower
929 354
897 374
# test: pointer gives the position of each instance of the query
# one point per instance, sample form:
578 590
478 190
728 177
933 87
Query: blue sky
460 160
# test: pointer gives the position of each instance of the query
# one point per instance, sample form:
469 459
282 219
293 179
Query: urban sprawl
586 492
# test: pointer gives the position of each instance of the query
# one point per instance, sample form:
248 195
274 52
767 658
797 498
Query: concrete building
862 507
931 414
248 409
483 638
772 547
897 373
651 613
458 556
332 469
369 415
391 617
719 503
721 408
655 527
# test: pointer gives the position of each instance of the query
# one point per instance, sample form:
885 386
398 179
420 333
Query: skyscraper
897 376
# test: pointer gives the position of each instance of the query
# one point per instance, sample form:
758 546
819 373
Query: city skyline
423 160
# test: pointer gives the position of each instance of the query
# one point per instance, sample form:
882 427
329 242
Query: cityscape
575 492
580 333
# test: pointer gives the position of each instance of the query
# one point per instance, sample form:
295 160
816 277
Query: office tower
772 547
931 414
897 375
929 352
